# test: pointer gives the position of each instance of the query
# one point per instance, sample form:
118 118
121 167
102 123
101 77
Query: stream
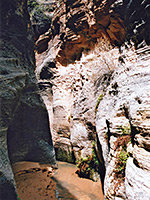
36 182
70 186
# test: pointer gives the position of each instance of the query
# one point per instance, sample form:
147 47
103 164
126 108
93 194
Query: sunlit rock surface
94 79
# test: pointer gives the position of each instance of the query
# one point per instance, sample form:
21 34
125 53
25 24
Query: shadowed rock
24 127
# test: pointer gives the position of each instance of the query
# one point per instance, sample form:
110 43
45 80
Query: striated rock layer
71 92
94 80
121 107
24 126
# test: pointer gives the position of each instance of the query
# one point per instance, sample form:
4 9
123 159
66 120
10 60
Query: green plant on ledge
88 165
125 130
122 156
98 102
122 161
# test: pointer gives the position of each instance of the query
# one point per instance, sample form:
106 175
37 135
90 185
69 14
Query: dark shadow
108 134
62 192
102 169
134 131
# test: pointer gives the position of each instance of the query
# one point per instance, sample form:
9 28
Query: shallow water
70 186
35 181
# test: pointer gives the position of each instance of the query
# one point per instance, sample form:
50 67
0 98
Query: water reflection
62 192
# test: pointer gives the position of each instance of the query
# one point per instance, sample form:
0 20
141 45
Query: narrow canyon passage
74 87
35 181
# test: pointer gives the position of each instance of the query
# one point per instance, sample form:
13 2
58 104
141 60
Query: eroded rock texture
71 92
94 79
24 127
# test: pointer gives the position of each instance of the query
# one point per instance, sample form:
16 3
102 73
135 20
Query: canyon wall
92 60
92 70
24 125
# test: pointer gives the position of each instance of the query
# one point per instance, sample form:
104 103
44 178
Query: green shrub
125 130
88 165
122 156
122 160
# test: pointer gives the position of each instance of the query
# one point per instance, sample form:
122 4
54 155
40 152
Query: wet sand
33 181
37 182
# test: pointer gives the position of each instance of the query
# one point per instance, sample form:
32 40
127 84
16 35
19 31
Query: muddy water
70 186
36 182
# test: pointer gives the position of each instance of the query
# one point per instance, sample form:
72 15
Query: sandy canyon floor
38 182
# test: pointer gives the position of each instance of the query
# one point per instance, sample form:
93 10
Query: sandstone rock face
71 93
125 107
122 111
94 80
24 127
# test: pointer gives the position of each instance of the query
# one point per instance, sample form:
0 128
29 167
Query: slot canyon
75 99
